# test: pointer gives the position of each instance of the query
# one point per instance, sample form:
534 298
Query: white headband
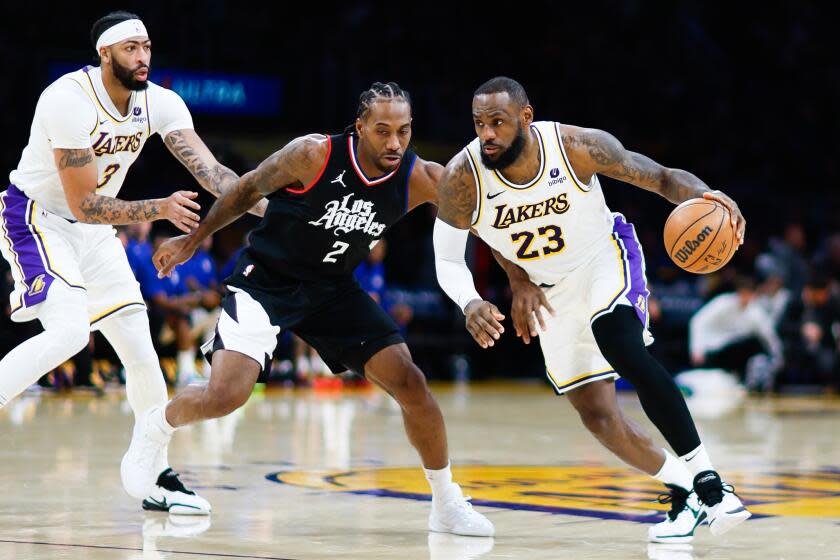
120 32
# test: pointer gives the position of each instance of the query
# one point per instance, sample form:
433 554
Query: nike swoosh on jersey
491 196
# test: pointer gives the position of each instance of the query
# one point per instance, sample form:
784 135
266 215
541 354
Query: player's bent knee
599 420
222 399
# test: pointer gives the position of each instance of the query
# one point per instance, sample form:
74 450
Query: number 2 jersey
548 226
76 112
322 231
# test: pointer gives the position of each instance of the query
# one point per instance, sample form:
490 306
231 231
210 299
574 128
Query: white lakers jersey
75 112
548 226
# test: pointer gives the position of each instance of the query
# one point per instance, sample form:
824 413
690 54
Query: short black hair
503 84
104 23
377 90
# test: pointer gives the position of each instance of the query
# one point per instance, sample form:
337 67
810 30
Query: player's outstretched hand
483 322
526 309
738 221
171 253
178 209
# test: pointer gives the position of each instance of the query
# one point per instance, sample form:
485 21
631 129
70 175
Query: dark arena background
743 95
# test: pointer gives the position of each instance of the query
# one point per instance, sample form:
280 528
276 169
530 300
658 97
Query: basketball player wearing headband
530 190
56 217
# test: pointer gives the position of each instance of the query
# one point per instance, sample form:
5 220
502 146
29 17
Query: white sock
186 362
158 418
440 480
697 460
674 472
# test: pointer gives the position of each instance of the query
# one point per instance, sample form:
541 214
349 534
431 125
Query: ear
104 55
359 125
527 115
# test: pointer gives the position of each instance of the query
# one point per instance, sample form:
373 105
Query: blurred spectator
735 333
827 259
789 257
172 300
813 328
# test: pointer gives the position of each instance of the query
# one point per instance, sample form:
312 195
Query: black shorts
339 320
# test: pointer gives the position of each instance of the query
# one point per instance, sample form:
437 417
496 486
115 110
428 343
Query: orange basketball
699 236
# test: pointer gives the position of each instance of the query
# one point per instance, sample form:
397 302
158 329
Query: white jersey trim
584 187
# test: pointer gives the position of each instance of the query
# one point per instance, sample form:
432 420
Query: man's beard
126 76
507 157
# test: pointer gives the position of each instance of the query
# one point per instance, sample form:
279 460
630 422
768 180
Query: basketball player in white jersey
530 190
56 218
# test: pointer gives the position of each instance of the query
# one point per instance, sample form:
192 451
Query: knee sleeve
131 338
67 328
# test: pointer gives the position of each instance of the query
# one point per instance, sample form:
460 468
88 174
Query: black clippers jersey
323 230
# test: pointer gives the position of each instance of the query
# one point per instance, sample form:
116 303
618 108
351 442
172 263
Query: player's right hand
525 311
178 209
173 252
483 322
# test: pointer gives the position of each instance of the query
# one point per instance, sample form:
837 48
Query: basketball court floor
297 475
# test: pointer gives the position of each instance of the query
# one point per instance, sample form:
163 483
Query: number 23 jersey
548 226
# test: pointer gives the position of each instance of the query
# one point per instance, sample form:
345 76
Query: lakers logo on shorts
583 490
37 285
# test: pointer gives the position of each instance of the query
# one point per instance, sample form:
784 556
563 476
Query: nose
487 134
393 143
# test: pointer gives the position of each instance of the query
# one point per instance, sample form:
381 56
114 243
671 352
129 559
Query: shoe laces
677 497
714 496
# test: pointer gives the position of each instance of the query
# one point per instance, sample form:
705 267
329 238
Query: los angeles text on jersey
349 215
507 216
106 144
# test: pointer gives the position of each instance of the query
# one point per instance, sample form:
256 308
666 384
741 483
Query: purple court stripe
16 207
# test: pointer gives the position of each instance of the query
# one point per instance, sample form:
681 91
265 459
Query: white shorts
614 276
43 248
244 327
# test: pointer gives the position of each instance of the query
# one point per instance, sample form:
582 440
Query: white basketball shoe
681 521
171 495
453 513
724 510
139 467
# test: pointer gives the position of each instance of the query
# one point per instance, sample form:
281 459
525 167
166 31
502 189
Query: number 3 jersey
322 231
548 226
76 112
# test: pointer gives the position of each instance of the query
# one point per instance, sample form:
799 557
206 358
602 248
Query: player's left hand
738 221
526 309
483 322
173 252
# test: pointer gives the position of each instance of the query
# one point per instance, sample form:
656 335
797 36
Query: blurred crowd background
747 103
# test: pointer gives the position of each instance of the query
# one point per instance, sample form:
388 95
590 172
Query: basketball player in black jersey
330 199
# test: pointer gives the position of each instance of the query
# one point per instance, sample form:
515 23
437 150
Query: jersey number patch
107 174
340 247
554 242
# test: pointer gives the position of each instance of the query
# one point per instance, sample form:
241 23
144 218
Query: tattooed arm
78 173
191 151
456 203
594 151
297 163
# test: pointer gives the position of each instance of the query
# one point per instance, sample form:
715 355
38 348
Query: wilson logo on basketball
692 245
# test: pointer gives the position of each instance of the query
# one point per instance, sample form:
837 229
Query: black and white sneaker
723 508
170 494
679 524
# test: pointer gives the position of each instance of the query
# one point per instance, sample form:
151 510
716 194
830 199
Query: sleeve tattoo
216 179
606 155
456 193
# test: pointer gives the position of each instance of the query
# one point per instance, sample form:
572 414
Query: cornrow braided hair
377 91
